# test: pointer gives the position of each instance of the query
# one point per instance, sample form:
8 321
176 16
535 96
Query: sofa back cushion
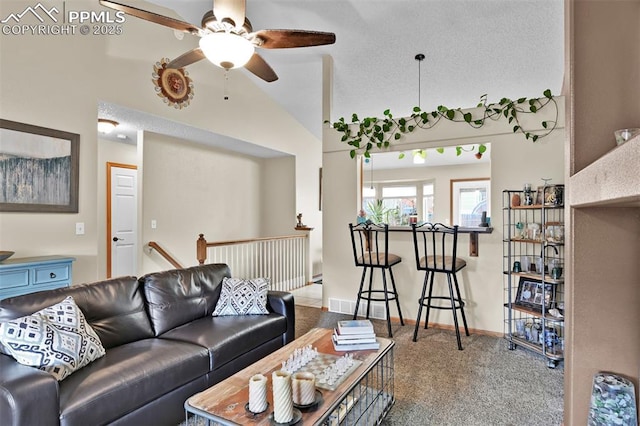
114 308
180 296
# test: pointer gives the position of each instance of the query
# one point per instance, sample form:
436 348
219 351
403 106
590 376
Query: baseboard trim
396 320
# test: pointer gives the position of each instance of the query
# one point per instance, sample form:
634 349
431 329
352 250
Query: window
469 199
427 202
368 194
398 203
369 200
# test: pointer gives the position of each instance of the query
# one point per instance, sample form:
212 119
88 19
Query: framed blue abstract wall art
39 169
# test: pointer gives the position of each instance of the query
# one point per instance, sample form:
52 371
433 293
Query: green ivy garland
380 132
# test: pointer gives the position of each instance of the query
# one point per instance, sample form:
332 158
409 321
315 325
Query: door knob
116 239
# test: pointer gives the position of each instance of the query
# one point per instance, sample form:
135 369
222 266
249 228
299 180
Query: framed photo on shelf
554 195
532 295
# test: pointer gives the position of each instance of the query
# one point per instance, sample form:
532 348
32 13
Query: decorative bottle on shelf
528 195
515 200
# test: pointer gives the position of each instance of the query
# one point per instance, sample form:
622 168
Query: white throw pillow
58 339
242 297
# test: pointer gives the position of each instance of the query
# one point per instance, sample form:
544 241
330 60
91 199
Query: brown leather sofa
162 346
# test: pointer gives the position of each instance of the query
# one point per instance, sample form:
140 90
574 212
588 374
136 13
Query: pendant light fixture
419 57
371 164
419 155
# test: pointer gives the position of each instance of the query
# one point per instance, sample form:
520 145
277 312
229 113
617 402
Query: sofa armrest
281 302
28 396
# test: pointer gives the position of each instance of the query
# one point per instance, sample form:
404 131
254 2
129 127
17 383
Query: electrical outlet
79 228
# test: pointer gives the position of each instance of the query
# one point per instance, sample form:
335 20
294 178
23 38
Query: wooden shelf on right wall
612 180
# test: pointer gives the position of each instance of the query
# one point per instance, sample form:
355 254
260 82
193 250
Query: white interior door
122 227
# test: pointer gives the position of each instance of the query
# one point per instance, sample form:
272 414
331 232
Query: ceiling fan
227 38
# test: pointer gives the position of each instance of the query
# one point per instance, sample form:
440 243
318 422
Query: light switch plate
79 228
154 224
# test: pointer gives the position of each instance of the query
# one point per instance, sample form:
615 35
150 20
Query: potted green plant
377 212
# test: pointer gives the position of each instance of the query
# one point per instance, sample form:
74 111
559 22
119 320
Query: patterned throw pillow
242 297
58 339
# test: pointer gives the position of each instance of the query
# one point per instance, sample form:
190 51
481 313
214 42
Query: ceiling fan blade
188 58
261 68
152 17
282 39
232 9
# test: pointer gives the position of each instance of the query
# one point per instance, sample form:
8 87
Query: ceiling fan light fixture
106 126
227 50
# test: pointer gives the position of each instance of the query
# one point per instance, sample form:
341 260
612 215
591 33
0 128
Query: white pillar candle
282 401
257 393
304 388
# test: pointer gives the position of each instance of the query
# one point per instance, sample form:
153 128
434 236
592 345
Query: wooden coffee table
364 397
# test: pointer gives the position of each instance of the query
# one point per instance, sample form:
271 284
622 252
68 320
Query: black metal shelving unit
533 269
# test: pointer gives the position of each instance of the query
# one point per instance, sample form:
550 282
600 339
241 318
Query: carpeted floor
485 384
436 384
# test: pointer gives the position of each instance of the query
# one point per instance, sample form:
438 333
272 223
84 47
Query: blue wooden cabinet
29 274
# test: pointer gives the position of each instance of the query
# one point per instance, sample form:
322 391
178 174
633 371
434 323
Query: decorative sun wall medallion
173 85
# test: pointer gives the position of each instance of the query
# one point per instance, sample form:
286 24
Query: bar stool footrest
368 295
459 304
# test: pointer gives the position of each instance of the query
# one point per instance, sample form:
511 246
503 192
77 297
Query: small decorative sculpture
528 195
300 224
484 222
362 216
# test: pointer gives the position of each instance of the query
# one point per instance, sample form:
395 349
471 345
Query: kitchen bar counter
472 231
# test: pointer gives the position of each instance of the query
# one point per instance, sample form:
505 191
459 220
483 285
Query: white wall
189 188
50 81
56 82
216 194
514 161
277 185
114 152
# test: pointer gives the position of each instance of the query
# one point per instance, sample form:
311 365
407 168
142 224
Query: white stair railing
284 260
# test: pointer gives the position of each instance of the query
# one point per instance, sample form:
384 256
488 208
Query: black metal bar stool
436 252
370 250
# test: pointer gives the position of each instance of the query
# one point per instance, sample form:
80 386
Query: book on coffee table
354 346
355 327
354 338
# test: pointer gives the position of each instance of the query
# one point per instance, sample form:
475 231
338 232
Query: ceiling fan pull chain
226 81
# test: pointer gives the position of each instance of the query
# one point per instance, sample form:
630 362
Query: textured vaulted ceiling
502 48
